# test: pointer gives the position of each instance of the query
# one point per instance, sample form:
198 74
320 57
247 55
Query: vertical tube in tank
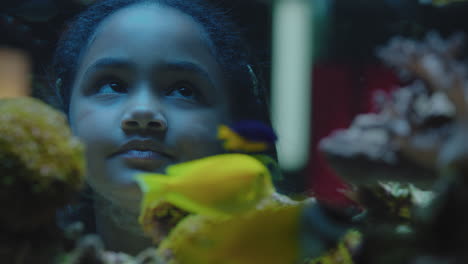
291 80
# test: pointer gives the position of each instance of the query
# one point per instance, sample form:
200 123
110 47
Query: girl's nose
144 119
143 113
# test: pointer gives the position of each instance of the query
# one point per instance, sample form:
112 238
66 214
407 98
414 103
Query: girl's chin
123 194
119 187
128 198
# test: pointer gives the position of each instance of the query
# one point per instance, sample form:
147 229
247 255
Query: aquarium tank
233 132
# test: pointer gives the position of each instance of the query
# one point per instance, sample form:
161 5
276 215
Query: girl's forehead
159 20
156 17
146 33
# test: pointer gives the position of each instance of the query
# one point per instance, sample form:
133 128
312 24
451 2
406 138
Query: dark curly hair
247 94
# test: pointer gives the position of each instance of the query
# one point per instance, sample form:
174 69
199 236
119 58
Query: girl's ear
60 96
58 88
253 76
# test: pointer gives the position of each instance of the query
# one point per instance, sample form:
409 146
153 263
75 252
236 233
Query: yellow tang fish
218 186
275 234
270 235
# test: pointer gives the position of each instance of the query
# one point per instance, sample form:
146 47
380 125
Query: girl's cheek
89 122
196 137
80 111
82 122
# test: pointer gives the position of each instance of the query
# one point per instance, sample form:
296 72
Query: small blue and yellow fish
218 186
247 136
253 137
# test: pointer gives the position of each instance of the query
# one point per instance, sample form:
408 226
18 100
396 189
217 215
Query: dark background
355 27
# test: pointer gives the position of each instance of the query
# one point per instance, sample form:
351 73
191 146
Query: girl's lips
142 154
146 160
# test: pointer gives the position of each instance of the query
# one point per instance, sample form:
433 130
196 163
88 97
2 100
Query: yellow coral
41 163
38 137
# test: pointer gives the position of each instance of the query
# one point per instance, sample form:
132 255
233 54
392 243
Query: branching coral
419 136
91 250
405 137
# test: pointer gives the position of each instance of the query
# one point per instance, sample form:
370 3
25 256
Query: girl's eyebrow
109 63
185 66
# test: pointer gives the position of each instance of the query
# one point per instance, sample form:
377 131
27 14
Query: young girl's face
148 93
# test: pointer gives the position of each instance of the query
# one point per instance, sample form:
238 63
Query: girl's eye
111 86
183 90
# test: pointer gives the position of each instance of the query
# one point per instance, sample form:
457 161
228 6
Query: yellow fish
275 234
269 235
218 186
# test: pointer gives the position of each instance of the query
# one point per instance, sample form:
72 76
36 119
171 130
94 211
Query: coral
419 137
90 250
41 168
402 141
343 252
42 164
